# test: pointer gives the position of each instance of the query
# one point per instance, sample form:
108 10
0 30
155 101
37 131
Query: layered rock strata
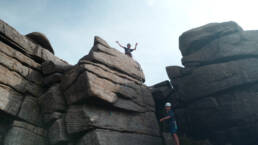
218 83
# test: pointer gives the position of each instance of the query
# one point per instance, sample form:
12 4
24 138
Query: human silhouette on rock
128 49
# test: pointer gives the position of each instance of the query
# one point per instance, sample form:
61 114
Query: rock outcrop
21 85
45 101
40 39
217 87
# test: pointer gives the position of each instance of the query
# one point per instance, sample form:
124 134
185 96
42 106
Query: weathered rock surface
92 78
235 46
22 133
41 40
52 101
50 67
194 39
57 133
10 100
214 78
30 104
83 118
107 137
113 59
217 88
24 45
46 101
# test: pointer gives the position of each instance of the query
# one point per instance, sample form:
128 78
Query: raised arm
135 45
165 118
120 44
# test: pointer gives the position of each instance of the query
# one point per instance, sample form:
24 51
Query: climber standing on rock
128 49
172 120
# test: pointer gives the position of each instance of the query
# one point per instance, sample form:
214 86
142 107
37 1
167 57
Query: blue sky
156 25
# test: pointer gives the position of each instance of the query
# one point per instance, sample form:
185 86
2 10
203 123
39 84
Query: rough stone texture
106 137
39 91
194 39
49 118
24 134
235 46
57 133
217 88
108 85
41 40
53 79
50 67
10 100
210 79
30 111
21 43
52 100
102 93
83 118
16 81
113 59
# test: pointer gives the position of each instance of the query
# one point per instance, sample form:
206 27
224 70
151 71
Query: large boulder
114 59
41 40
194 39
234 46
217 88
111 76
216 78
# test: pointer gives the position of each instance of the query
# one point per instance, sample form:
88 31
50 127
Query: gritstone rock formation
41 40
218 87
45 101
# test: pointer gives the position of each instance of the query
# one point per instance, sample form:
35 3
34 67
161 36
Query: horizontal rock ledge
107 137
96 82
193 40
26 46
210 79
82 118
228 48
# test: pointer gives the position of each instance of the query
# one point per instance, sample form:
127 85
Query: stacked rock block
219 83
101 100
52 102
45 101
21 85
107 100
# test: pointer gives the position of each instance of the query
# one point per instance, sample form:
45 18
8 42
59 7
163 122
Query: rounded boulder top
41 40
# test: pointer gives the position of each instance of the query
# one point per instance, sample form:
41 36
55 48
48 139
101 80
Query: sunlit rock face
102 100
218 85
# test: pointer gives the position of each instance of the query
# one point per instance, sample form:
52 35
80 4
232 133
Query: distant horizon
155 25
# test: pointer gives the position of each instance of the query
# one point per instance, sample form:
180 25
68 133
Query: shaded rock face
45 101
217 87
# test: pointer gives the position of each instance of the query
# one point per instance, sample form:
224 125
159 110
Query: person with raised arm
128 50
